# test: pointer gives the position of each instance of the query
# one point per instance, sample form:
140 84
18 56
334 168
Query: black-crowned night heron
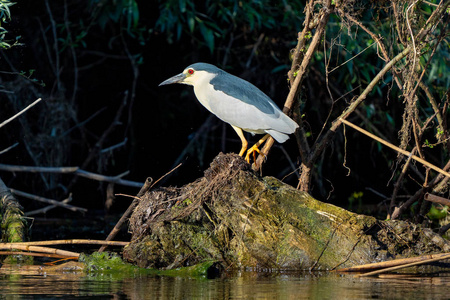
237 102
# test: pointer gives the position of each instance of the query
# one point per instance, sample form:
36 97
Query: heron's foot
253 150
243 148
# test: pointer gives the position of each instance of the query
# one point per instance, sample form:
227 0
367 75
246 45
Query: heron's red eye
191 71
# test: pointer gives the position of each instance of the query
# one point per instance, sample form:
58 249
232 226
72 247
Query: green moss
18 259
106 263
13 227
199 270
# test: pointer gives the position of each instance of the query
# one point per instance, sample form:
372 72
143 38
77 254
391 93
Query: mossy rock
13 225
233 216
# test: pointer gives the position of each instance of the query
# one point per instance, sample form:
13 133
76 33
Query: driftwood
66 242
234 217
396 264
420 261
39 249
35 248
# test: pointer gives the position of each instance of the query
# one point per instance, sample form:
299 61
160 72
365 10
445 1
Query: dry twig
404 152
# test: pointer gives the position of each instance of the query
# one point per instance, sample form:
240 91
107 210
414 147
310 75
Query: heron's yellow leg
243 140
255 148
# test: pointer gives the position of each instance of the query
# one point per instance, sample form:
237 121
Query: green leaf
191 22
280 68
179 30
182 6
208 36
134 13
390 119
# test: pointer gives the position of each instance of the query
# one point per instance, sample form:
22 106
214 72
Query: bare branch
20 113
72 170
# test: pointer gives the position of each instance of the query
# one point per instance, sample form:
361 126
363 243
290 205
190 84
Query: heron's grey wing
254 112
243 115
245 91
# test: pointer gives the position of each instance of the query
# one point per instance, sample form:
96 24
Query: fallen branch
47 208
72 170
69 242
30 169
406 265
34 254
436 199
49 201
36 249
393 263
19 246
113 179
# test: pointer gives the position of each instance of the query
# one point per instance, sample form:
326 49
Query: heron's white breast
203 89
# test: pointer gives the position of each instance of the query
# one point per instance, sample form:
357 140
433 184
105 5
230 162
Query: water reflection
247 285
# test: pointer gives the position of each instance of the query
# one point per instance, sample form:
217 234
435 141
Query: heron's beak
175 79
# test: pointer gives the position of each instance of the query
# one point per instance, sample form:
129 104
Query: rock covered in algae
240 220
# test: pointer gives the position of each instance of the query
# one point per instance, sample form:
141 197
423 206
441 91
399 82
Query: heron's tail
278 136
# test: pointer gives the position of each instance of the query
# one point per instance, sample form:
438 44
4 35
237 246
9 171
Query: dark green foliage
216 19
5 16
117 11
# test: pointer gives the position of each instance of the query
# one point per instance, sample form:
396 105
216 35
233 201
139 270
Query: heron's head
193 74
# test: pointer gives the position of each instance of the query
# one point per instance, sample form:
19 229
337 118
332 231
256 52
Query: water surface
245 285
